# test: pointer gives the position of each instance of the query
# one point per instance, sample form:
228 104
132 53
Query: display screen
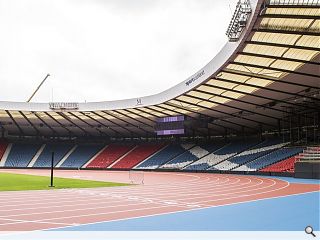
173 125
171 119
170 132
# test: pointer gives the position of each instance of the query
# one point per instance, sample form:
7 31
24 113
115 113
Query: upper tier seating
81 155
249 155
269 159
21 154
3 147
222 154
109 155
137 155
165 155
44 159
193 154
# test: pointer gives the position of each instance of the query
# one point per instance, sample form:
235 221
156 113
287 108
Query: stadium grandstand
234 147
253 107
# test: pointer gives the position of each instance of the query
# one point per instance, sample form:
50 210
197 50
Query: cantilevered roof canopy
249 86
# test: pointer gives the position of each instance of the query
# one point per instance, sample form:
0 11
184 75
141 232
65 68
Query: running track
162 193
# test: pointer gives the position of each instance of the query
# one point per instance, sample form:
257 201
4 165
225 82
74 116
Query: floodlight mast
34 93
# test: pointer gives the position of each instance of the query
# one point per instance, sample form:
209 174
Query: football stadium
233 148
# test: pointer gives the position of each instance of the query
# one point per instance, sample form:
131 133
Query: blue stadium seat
222 154
257 151
81 155
269 159
160 158
44 159
21 154
192 155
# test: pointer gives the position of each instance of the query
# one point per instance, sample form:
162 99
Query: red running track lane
162 193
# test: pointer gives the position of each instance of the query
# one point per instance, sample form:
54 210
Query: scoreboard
170 125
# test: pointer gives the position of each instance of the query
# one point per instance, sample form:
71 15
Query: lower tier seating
269 159
222 154
165 155
137 155
259 150
109 155
21 154
191 155
286 165
44 159
81 155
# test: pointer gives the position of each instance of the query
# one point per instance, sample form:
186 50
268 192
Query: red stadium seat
286 165
109 155
137 155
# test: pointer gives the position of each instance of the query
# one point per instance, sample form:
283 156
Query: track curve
161 193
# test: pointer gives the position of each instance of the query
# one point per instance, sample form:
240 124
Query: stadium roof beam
195 117
222 112
264 88
60 124
284 16
31 124
277 80
230 114
251 94
15 123
242 101
135 120
64 116
278 58
282 31
90 125
126 122
143 117
237 115
204 114
226 105
106 126
281 45
275 69
47 125
131 132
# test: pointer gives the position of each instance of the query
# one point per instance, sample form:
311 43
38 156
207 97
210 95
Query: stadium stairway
109 155
192 155
137 155
164 155
34 159
221 154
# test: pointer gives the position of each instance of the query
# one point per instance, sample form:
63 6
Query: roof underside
275 69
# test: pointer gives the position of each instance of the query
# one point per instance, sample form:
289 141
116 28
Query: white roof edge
196 79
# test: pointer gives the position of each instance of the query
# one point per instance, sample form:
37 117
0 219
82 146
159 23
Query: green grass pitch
20 182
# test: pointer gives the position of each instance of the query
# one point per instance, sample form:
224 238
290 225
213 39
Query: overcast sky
98 50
